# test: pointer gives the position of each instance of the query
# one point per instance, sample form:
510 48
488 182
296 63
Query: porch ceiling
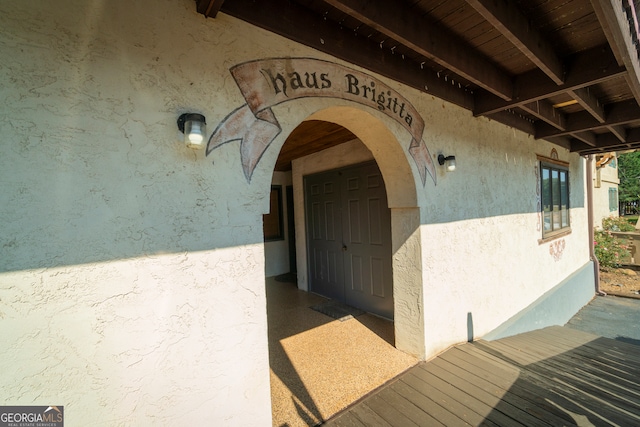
567 71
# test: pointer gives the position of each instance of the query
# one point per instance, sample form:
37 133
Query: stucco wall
605 179
132 268
484 260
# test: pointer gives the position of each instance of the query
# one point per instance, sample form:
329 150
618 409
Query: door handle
344 247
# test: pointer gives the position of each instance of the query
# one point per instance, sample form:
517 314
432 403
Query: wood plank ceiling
567 71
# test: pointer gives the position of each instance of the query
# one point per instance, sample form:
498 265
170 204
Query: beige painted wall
132 268
604 179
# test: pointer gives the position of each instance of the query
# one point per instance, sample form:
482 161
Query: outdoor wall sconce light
193 126
449 162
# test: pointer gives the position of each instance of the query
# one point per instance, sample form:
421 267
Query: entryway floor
320 365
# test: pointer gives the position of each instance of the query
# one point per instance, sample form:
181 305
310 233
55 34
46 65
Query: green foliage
609 250
631 219
617 224
629 174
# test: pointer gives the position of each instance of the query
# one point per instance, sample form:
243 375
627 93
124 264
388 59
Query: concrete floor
320 365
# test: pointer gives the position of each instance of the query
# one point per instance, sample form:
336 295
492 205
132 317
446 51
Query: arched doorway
402 199
291 344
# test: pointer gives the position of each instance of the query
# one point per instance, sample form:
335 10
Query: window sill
554 236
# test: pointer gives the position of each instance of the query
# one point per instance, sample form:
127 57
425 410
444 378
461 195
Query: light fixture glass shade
194 133
450 163
194 127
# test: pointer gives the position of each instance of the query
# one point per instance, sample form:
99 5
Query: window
613 199
272 222
555 198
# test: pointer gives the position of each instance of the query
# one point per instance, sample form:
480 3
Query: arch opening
358 137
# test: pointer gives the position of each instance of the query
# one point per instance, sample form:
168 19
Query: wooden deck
554 376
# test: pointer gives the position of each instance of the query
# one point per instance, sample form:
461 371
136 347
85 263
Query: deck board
579 393
440 413
553 376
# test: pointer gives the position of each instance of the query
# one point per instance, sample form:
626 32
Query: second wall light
449 162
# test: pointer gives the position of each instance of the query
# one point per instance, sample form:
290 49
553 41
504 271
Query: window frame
273 222
559 195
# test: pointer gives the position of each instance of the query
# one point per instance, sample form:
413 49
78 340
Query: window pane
555 198
613 199
546 198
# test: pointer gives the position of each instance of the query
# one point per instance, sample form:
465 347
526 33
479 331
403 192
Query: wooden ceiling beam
614 22
589 102
583 69
588 138
618 131
543 110
619 113
430 40
505 16
513 119
608 142
209 8
303 26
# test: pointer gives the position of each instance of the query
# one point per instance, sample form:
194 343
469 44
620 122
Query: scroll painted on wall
268 82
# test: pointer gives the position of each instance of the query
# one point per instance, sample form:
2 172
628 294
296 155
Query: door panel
350 238
325 242
369 280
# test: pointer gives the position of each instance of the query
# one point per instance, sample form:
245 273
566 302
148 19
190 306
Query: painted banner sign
268 82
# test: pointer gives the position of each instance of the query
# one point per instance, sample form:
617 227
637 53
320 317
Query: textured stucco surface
484 260
132 269
604 179
552 308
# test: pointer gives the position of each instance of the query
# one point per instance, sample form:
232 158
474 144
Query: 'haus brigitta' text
290 83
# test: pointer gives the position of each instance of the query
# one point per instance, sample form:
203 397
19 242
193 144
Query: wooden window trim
557 162
557 165
554 235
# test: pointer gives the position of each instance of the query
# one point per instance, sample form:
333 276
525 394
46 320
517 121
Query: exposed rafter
619 113
209 7
543 110
585 69
618 131
588 138
589 102
608 142
505 16
435 43
614 23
